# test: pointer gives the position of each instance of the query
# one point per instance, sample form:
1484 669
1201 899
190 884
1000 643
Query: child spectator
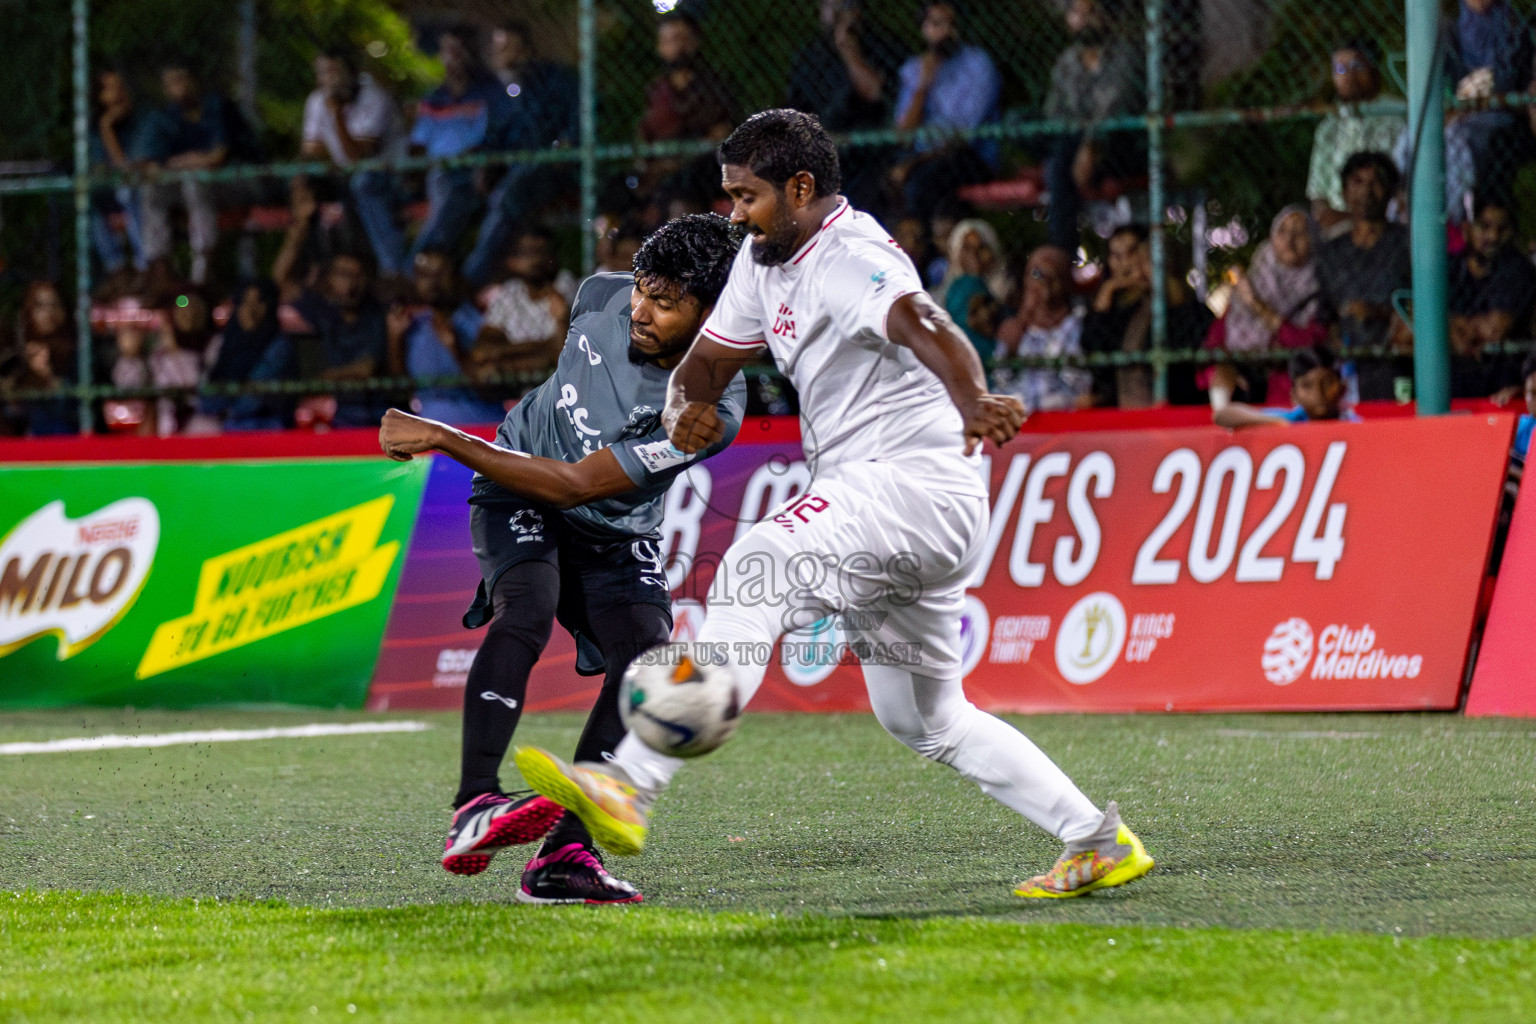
1274 304
177 358
975 283
1317 392
1046 325
440 341
130 369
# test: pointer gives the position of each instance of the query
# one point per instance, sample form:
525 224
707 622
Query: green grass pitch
1310 868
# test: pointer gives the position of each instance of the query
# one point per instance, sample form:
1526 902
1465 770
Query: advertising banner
1326 566
176 584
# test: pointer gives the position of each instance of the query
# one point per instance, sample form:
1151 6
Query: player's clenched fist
692 426
994 417
402 435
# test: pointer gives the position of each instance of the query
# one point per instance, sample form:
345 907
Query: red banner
1327 566
1504 683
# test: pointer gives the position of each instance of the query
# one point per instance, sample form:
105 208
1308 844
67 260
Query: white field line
1295 734
169 739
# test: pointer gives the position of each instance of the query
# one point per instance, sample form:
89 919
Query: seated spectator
1460 168
1120 320
440 341
1342 134
1317 392
347 118
846 77
1274 304
469 112
252 348
528 314
911 234
354 342
950 85
1098 76
43 359
688 100
125 137
975 283
541 112
130 369
616 248
198 136
1046 326
1491 55
176 361
1491 286
1359 270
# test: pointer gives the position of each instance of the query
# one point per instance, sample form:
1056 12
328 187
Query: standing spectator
1096 77
950 85
1342 134
44 359
688 100
1274 304
975 283
1491 289
527 317
1460 166
347 118
1121 321
467 113
1491 55
541 112
252 347
846 77
1046 326
198 137
125 136
1360 269
439 341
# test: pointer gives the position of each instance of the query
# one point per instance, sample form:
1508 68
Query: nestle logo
115 530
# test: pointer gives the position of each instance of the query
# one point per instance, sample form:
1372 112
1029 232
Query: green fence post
82 82
1157 204
587 45
1426 121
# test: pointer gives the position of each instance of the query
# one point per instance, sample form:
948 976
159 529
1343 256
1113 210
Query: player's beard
638 356
777 244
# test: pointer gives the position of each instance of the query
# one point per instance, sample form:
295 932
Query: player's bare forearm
550 481
1235 415
691 420
916 322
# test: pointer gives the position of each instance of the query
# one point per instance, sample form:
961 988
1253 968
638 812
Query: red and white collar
805 250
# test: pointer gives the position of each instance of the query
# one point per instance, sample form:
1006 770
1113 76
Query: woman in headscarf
1273 305
1048 326
252 348
976 282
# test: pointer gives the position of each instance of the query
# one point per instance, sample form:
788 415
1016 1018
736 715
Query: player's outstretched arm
916 322
550 481
690 418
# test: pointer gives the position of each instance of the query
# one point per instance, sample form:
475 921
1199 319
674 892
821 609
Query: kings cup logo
74 578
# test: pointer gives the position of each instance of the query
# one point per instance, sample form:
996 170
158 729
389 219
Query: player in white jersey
893 407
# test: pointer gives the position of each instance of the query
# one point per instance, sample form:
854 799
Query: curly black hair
778 144
693 253
1386 171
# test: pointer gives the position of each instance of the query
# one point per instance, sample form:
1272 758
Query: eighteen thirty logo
278 584
74 578
1090 638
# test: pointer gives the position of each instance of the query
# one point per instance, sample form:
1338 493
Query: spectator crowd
463 290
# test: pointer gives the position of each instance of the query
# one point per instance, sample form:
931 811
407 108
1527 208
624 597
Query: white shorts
874 544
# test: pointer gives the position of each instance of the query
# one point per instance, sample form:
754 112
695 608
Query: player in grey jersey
567 505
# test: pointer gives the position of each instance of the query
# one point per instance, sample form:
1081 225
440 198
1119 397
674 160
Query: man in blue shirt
467 113
438 341
950 85
567 509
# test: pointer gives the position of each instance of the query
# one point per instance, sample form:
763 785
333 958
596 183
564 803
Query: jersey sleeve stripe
732 341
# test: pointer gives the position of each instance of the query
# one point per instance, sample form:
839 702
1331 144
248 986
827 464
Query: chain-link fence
201 151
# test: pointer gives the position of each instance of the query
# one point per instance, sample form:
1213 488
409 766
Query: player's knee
524 604
936 735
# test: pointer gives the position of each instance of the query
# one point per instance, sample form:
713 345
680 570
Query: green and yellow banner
176 584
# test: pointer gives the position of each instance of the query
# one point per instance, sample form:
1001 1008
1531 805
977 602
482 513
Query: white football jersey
822 315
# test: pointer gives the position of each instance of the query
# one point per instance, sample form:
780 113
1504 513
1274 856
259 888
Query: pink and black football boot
573 874
490 823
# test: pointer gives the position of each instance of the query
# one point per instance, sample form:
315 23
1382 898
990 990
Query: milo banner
177 584
1327 566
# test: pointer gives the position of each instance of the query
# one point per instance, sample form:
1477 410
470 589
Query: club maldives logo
74 578
1091 637
1343 652
278 584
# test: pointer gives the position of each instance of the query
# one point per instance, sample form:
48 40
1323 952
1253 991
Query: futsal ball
676 705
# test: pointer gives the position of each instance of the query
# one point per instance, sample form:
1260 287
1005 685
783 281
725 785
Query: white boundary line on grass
169 739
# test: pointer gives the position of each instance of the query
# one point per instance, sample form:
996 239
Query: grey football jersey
598 399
